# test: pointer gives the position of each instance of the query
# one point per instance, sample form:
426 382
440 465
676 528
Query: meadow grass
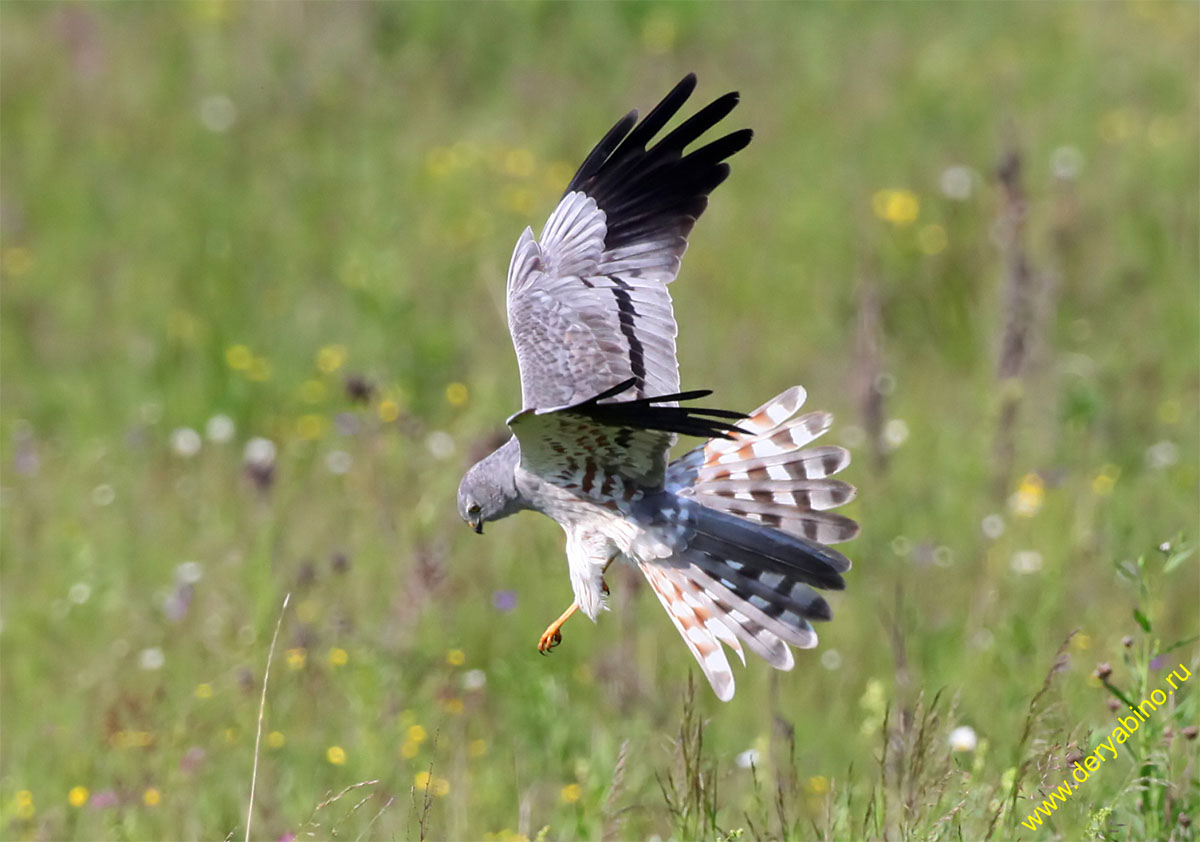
295 219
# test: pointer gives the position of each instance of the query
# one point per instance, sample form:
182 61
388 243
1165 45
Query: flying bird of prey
733 536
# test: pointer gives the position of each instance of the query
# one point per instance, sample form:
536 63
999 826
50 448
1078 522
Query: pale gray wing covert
588 305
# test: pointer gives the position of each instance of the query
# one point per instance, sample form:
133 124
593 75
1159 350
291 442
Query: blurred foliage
222 222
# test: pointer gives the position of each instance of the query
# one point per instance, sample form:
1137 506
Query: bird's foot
552 636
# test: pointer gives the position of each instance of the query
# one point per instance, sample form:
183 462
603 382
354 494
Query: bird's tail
758 547
769 474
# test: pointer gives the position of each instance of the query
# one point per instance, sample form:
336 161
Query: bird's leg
552 636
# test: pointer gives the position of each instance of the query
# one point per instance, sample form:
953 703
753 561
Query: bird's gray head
488 491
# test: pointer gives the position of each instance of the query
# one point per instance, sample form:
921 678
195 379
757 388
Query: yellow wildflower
456 657
311 426
1081 641
151 797
818 784
456 394
389 411
204 691
297 658
275 739
238 357
899 207
1029 496
570 793
338 657
78 796
330 358
440 787
24 804
421 780
1103 482
336 755
416 733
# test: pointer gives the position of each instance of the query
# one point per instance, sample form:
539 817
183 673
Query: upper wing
614 449
588 304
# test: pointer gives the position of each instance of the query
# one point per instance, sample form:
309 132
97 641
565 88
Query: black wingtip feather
649 191
662 113
603 150
646 414
700 122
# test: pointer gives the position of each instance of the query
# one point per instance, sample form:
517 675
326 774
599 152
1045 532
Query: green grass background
380 163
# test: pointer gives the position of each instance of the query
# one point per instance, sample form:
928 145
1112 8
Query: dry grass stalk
690 791
1016 335
312 824
262 710
610 821
868 370
1032 717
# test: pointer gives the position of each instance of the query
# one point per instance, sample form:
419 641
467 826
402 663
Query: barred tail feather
758 507
712 602
698 628
768 473
734 539
822 527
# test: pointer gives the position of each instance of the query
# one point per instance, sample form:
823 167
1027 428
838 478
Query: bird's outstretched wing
588 304
609 449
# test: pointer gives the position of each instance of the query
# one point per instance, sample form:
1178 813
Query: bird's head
488 491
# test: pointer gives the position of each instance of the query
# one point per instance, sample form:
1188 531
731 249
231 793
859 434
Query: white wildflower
220 429
217 113
151 659
963 738
957 182
748 758
185 442
1026 562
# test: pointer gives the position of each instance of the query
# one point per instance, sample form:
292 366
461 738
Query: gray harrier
732 536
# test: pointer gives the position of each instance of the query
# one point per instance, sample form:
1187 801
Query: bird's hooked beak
478 526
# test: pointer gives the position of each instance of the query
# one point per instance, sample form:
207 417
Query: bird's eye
473 509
